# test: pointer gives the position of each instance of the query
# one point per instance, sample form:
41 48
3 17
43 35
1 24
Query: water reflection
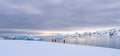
92 41
96 41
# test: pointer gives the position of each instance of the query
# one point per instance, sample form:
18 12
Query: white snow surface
39 48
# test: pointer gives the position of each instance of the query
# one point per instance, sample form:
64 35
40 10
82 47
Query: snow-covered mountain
105 33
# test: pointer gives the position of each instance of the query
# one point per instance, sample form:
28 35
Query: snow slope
38 48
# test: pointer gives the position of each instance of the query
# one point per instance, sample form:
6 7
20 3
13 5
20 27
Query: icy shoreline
39 48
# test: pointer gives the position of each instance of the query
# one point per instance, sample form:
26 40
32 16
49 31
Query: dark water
92 41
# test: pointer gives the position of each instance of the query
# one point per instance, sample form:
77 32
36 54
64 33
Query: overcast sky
56 15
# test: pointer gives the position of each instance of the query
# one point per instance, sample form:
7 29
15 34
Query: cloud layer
58 14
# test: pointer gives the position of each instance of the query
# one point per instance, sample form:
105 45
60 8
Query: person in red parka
64 41
53 40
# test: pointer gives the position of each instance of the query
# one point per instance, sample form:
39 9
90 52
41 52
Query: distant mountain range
105 33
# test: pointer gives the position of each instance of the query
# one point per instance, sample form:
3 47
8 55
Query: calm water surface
92 41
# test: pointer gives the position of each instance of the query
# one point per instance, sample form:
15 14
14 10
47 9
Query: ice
39 48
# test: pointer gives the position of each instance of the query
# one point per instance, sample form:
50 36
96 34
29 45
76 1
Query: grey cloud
58 14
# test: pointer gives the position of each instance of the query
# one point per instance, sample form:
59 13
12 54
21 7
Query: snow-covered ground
39 48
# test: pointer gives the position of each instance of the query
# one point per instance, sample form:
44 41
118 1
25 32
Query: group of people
58 40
